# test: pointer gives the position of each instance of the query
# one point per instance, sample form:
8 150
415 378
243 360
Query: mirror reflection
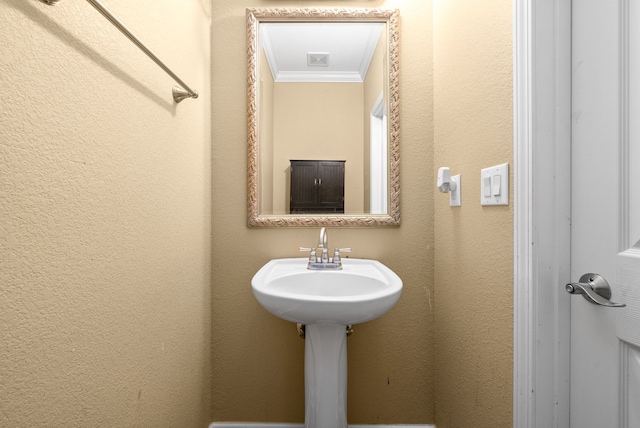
323 152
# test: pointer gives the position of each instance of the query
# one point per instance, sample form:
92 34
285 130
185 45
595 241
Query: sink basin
361 291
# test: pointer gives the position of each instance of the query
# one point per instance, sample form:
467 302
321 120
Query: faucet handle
336 253
312 251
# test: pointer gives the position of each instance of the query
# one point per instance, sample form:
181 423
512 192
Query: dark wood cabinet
317 186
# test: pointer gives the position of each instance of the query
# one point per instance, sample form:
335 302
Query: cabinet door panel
331 189
304 175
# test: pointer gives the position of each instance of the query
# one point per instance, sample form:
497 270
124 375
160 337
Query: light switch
494 185
497 185
486 186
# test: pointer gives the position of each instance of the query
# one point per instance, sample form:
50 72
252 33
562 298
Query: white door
378 158
605 341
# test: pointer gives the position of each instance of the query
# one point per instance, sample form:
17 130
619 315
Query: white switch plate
498 179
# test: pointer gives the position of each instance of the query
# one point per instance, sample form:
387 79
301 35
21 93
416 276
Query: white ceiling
349 46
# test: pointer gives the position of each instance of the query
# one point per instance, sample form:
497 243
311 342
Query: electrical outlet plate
455 198
494 185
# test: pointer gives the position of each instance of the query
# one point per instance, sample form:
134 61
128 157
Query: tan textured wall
473 244
258 358
299 109
104 217
266 91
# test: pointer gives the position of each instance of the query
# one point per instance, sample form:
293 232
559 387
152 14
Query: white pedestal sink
326 301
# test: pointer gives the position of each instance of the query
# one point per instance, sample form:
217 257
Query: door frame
542 210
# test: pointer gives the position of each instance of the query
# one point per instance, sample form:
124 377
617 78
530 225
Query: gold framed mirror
323 117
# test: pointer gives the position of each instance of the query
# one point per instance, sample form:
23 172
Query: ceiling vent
317 59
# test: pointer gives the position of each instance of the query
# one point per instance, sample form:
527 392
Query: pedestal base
325 376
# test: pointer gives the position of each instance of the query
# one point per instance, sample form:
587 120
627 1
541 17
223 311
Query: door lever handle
595 289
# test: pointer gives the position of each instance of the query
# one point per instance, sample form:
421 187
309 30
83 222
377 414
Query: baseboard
277 425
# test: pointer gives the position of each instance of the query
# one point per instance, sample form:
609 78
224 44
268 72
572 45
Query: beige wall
105 232
473 244
104 217
318 121
444 353
258 358
266 92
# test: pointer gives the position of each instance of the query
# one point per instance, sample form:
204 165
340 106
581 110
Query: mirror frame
254 18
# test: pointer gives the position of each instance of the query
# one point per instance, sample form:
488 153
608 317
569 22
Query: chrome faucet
324 262
322 244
